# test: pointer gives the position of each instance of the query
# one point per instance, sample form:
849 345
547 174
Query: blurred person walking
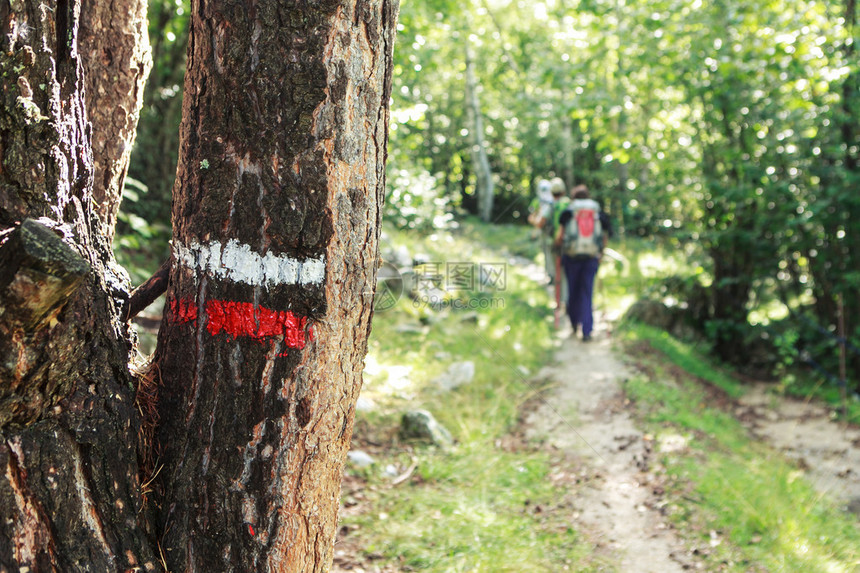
582 234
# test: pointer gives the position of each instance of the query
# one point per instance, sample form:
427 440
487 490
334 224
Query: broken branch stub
38 274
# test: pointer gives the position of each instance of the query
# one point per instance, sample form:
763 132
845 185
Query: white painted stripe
237 262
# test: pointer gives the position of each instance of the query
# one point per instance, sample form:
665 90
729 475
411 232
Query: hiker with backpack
540 208
582 235
540 217
544 215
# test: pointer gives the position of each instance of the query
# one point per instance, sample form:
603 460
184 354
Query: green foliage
141 246
809 385
727 125
726 128
414 200
143 229
688 358
155 152
786 347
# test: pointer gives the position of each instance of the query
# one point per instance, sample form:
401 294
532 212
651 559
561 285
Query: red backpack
583 234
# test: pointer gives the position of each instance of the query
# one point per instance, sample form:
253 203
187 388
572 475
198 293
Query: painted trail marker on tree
238 319
238 262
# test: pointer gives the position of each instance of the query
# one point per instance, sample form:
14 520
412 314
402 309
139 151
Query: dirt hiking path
585 417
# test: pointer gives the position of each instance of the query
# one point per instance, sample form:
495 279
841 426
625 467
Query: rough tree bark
69 492
116 64
276 221
283 150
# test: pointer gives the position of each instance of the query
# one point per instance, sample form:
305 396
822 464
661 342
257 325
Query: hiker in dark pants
583 232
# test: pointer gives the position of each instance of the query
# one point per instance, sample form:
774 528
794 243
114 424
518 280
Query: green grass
645 264
688 358
807 385
476 510
752 497
474 507
508 334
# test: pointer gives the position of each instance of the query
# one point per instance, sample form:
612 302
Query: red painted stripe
239 319
184 310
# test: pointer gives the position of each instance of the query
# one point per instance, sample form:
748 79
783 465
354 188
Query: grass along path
826 450
678 478
740 504
492 502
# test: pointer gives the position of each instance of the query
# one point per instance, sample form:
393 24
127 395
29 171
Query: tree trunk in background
833 258
155 153
730 296
569 147
850 206
114 40
617 206
480 161
69 491
276 223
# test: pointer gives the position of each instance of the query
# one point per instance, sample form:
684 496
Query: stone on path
421 425
458 374
360 459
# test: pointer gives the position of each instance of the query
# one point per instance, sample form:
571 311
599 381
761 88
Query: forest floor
619 501
607 462
588 417
826 450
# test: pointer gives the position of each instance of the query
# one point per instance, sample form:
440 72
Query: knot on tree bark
38 273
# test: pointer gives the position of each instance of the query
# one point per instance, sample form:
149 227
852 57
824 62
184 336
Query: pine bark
282 154
284 150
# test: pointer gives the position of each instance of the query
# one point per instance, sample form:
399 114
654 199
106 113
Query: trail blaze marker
243 319
240 263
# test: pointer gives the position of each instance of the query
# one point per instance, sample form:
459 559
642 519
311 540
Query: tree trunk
284 151
569 142
730 296
276 223
70 497
478 148
117 60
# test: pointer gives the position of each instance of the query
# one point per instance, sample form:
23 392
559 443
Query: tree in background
480 162
728 128
117 67
283 152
